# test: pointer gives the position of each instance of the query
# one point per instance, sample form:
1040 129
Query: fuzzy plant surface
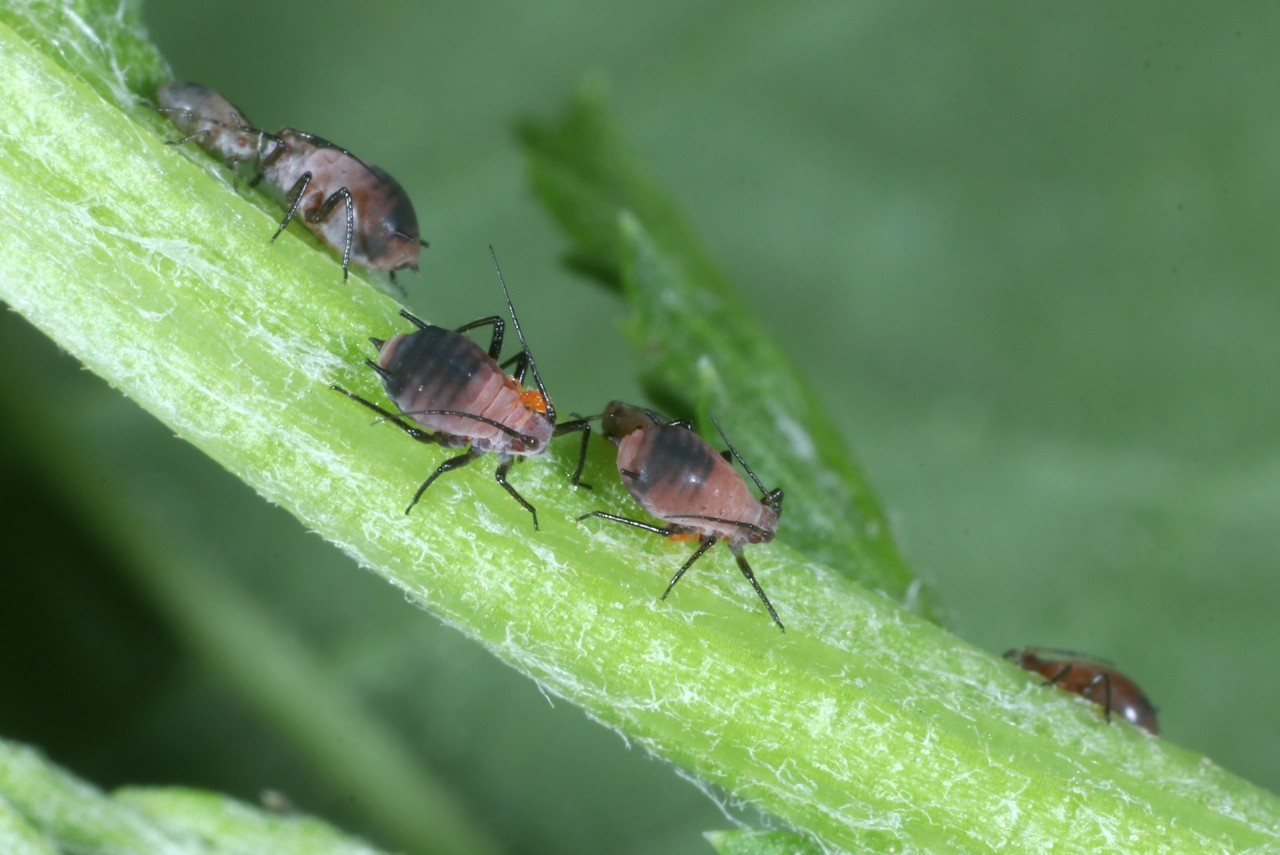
865 725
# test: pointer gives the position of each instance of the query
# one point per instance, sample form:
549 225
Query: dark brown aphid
458 396
353 206
677 476
1094 679
214 123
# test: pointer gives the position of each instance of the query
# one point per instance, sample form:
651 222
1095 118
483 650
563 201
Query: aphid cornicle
677 476
353 206
1093 679
458 396
213 122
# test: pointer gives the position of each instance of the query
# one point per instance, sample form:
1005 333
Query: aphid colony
450 391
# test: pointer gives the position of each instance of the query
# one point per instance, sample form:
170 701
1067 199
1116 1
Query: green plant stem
863 724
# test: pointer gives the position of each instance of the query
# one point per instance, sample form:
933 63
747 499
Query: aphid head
620 419
550 409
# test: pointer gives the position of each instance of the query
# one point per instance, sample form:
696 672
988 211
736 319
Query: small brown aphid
677 476
459 397
214 123
1094 679
353 206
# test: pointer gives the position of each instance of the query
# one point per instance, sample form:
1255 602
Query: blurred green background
1025 252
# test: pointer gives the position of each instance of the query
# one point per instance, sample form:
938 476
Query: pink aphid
677 476
354 207
213 122
457 395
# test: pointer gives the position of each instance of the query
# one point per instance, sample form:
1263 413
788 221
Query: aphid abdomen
438 369
680 478
388 237
350 205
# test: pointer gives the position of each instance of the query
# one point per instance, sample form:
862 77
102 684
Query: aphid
353 206
459 397
1094 679
677 476
214 123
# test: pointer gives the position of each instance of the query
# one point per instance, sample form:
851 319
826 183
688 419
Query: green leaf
704 352
230 826
863 725
45 809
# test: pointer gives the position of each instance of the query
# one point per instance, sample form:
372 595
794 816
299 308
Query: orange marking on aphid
685 536
534 400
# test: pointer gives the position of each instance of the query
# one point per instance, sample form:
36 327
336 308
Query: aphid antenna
1069 654
773 497
533 364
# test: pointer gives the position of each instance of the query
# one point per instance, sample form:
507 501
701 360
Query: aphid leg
294 198
189 137
521 362
323 212
751 577
1060 676
419 435
702 548
500 475
662 530
499 329
583 425
1105 679
417 322
448 466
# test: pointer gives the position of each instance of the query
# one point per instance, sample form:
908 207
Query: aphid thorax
214 123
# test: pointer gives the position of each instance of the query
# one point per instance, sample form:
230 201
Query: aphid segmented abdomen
441 369
437 369
680 478
384 226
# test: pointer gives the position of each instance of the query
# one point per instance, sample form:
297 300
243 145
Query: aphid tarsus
1091 678
678 477
457 395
